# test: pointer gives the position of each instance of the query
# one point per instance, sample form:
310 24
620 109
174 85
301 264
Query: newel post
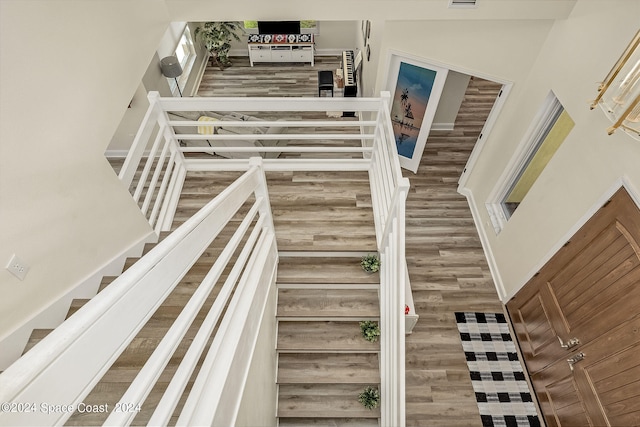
136 152
262 191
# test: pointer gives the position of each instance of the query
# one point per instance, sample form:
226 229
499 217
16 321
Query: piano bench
325 81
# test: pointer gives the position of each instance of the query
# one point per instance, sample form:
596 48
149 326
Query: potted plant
370 263
216 37
370 397
370 330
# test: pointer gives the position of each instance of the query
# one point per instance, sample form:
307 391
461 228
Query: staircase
324 225
323 294
116 380
323 360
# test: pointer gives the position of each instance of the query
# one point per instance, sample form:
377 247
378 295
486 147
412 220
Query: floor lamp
171 69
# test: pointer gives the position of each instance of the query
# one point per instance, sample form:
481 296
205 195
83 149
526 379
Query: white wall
577 53
452 96
470 47
131 119
68 70
171 38
154 80
370 65
336 36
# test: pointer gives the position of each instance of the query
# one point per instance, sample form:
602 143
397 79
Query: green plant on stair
370 330
370 397
370 263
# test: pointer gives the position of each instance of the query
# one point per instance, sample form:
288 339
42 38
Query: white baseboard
118 154
196 84
442 126
13 343
493 266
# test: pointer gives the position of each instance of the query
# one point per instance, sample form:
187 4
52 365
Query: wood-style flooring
448 271
447 266
332 211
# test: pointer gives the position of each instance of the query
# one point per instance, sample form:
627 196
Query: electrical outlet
17 267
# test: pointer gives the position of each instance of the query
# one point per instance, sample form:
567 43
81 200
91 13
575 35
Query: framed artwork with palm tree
415 88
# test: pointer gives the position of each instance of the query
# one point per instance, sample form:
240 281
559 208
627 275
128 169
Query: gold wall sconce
619 93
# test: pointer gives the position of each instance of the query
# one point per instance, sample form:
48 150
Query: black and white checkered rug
502 393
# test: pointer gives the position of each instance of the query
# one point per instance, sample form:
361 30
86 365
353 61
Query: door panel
609 378
534 330
583 271
558 396
599 291
574 271
589 290
602 390
618 278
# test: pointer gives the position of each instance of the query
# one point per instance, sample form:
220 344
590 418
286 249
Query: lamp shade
619 93
170 67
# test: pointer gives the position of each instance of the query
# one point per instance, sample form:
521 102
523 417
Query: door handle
569 344
575 359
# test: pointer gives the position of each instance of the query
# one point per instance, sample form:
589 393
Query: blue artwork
413 89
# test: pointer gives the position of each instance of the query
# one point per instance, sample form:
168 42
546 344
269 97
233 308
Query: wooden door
602 389
590 288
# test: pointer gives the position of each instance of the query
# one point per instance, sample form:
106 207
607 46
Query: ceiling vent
462 4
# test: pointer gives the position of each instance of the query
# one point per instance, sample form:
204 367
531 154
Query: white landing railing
389 191
180 135
49 382
173 132
312 141
174 129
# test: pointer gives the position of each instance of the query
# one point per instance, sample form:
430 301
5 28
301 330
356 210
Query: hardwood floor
448 271
447 266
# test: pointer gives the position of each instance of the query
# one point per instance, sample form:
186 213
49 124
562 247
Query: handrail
171 396
150 372
282 123
389 188
159 190
217 391
389 191
87 344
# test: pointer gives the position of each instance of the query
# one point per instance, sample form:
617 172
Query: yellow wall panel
549 146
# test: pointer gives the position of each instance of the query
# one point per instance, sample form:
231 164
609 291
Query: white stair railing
102 329
81 350
389 191
157 144
160 182
378 156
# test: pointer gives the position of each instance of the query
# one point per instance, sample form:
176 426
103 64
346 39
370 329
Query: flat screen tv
279 27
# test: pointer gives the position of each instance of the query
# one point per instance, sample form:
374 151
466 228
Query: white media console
281 48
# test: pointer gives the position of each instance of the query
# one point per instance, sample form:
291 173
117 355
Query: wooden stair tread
323 401
333 368
323 336
328 422
324 270
328 302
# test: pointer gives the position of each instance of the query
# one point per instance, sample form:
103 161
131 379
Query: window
306 27
186 54
545 136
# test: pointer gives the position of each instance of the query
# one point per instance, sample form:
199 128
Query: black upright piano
350 81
